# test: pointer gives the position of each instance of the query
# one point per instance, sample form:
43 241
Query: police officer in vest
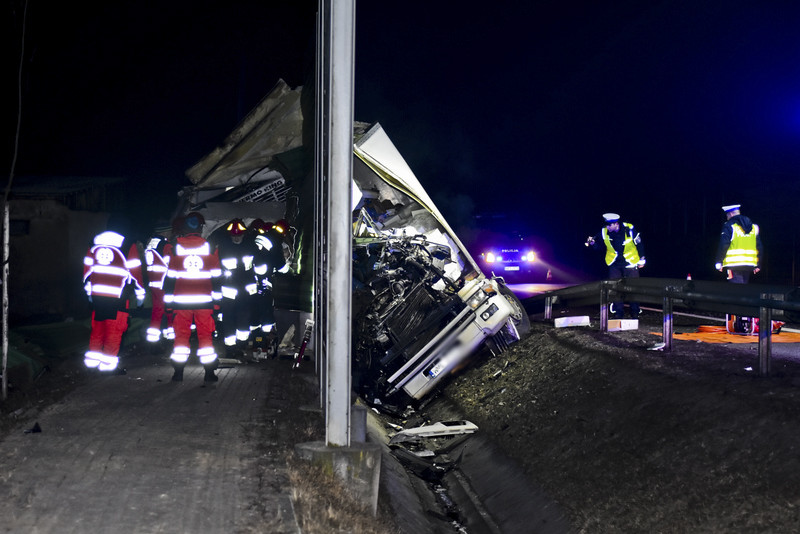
624 255
739 250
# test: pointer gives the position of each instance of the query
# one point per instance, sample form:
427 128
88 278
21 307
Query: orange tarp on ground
718 334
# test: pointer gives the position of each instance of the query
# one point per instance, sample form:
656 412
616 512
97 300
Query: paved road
138 453
524 291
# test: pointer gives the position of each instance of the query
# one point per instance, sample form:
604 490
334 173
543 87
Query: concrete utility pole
340 262
357 464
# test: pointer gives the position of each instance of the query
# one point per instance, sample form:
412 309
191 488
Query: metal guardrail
748 300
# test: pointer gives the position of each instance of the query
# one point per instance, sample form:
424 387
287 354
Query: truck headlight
477 299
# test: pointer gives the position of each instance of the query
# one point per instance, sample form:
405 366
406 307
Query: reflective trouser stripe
98 360
153 334
105 340
180 354
203 321
207 355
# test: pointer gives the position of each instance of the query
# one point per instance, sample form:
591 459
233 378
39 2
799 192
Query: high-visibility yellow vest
742 250
629 250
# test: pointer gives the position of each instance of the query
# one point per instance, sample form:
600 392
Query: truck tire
520 317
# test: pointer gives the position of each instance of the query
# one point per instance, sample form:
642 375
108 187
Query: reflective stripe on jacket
193 277
107 271
629 251
743 250
157 265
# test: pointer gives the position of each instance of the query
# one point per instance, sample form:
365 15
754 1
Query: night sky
552 111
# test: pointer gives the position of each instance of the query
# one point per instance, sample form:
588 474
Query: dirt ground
627 439
623 438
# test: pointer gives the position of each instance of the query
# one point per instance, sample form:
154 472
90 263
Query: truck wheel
519 316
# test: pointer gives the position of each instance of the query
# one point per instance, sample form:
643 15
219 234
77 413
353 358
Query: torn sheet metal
440 429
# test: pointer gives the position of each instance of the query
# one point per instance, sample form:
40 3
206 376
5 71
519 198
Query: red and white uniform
191 289
156 257
110 277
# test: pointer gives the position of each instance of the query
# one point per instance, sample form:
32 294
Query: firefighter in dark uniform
238 284
263 303
624 255
280 235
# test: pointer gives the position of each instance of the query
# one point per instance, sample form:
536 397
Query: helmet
235 227
259 226
281 226
193 222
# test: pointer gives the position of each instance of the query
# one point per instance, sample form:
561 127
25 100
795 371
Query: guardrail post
548 308
764 338
604 306
668 325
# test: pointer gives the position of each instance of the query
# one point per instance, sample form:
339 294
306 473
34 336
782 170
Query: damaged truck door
421 304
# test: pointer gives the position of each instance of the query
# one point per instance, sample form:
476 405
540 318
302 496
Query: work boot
210 376
177 376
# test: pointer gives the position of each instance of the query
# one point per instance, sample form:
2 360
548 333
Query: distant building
52 222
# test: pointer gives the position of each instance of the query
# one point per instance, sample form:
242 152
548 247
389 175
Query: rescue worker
281 252
739 251
112 276
191 289
238 283
263 303
156 257
624 255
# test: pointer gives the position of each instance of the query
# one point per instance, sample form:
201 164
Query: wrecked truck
421 305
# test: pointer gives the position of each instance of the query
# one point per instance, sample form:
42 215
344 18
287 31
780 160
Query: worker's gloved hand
718 267
589 241
641 263
756 270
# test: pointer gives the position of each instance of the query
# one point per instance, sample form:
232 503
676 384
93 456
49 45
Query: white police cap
610 217
731 207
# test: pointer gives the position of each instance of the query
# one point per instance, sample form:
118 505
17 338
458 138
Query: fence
750 300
